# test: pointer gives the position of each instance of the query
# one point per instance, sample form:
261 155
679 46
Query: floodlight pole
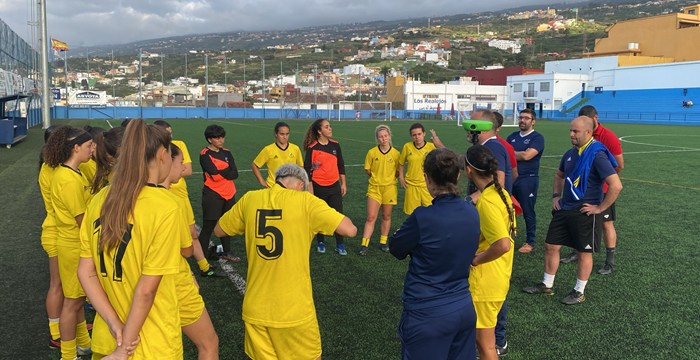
45 99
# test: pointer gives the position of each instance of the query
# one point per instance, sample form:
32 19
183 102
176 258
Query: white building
512 46
600 79
355 69
419 96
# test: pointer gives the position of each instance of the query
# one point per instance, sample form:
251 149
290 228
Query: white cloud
80 22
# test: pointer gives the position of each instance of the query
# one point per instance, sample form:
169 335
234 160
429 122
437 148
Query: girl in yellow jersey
413 180
64 151
489 278
106 152
276 154
194 318
130 249
381 165
179 188
89 167
49 237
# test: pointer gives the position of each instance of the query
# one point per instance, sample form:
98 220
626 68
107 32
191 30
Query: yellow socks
203 264
81 335
365 242
53 329
383 239
68 350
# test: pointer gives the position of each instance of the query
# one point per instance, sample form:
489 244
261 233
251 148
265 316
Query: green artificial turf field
645 310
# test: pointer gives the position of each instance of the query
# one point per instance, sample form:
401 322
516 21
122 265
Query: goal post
509 110
364 110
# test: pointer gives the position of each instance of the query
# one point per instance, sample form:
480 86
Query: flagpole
65 74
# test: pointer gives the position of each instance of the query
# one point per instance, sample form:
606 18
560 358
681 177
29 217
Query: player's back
279 225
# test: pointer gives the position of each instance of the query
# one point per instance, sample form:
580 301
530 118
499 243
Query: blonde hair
380 128
140 146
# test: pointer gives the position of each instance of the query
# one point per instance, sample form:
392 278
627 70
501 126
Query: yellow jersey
180 187
490 281
415 157
274 157
88 169
382 166
70 192
45 178
279 225
151 246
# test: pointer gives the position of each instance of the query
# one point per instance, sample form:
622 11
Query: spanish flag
59 45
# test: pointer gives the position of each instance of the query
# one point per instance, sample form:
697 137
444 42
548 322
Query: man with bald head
578 200
612 142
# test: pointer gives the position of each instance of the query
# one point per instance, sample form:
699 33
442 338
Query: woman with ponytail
438 319
325 166
130 249
106 153
49 237
489 278
65 150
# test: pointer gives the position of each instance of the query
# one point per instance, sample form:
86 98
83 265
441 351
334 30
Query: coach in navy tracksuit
528 145
438 320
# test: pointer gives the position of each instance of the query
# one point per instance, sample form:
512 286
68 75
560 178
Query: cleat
502 350
363 250
55 344
573 298
540 288
607 269
81 351
211 273
340 249
384 247
526 248
569 258
229 257
321 248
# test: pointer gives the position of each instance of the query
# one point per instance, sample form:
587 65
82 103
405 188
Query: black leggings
213 206
205 235
334 198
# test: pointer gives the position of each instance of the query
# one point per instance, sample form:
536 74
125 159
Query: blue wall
121 112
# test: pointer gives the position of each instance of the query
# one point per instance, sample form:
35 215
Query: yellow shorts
415 197
487 313
102 340
68 258
299 342
49 239
384 195
190 301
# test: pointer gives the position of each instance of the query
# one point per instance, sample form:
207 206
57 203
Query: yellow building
670 37
394 89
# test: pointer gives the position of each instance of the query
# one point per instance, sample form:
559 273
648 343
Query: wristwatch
555 195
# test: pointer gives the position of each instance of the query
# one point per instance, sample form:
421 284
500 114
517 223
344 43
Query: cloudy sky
100 22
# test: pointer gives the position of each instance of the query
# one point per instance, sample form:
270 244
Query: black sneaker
502 350
212 273
540 288
569 258
212 255
384 247
574 298
54 343
607 269
363 250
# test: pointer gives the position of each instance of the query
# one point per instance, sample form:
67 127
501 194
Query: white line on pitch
233 275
